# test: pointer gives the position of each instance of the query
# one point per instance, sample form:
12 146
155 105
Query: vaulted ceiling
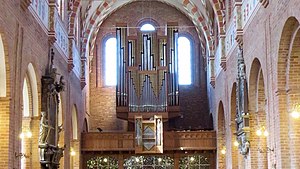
201 12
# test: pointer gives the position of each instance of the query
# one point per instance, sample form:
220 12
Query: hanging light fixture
25 134
223 151
236 143
296 111
72 152
262 132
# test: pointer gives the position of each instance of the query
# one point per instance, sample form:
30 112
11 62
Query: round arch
34 89
5 103
235 160
85 127
221 137
30 126
288 94
257 117
74 122
2 69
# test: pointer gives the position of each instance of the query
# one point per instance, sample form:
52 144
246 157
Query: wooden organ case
147 80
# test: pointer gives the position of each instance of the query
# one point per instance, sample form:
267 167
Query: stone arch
2 69
75 143
34 88
221 137
257 117
30 124
5 102
288 91
235 157
85 127
74 123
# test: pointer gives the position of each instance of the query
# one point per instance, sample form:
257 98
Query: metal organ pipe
151 84
118 37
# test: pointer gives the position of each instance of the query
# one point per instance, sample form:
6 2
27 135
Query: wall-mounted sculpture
242 115
52 85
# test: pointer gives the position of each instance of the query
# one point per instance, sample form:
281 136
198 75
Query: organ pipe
147 70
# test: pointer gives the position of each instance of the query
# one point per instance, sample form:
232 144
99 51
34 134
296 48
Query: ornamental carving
242 115
52 85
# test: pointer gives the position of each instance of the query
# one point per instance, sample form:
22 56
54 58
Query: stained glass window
194 162
102 163
149 162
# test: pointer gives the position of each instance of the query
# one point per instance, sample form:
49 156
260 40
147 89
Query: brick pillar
61 144
75 160
35 129
26 144
282 124
4 132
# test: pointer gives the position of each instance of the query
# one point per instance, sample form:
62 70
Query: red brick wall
263 39
193 99
25 42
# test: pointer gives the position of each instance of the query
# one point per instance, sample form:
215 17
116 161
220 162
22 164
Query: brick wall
25 42
193 99
267 38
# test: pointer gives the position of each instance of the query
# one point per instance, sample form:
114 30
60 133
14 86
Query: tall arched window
184 61
110 56
60 8
74 122
2 70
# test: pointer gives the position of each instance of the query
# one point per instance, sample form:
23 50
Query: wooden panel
190 140
173 140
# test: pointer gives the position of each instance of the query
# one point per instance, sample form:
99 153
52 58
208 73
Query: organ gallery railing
125 141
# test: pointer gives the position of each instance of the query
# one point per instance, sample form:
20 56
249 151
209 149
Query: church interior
149 84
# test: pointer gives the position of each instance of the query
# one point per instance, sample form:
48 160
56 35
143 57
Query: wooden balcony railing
125 141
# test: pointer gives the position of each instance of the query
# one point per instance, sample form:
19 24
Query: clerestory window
184 61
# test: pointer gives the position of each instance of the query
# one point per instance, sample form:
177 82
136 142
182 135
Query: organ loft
149 84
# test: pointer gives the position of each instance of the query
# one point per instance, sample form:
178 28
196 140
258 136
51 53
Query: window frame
192 56
60 8
103 66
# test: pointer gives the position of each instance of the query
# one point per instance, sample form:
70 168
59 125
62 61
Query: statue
242 108
49 151
44 129
60 128
138 131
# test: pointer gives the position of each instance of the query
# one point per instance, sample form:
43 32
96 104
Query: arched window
77 28
184 61
147 28
2 70
74 122
60 8
26 99
110 56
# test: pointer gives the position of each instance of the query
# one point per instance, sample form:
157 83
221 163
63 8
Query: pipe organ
147 73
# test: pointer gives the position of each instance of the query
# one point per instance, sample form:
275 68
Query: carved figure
138 132
244 146
44 129
58 154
